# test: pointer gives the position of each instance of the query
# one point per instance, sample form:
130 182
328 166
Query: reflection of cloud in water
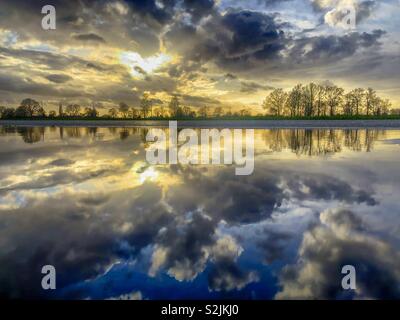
87 206
340 239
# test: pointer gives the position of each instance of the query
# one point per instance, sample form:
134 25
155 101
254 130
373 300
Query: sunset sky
226 53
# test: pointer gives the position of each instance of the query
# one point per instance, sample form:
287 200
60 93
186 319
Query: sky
227 53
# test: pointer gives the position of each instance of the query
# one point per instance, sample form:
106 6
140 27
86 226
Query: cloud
183 253
225 274
273 244
252 87
139 70
91 37
61 162
172 226
58 78
325 49
205 38
88 247
340 239
253 199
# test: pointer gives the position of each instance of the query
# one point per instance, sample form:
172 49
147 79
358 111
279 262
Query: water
85 201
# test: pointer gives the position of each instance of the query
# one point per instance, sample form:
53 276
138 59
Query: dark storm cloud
139 70
89 37
135 25
61 162
243 41
58 78
253 35
230 76
199 8
153 13
323 49
237 36
341 236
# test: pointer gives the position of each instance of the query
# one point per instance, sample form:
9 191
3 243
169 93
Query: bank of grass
230 118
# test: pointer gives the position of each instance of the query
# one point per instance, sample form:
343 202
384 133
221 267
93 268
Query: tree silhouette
275 102
174 106
124 109
145 104
32 106
113 113
73 110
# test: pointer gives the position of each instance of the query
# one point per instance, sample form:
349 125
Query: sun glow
149 175
141 66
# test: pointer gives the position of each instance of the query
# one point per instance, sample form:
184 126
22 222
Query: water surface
86 201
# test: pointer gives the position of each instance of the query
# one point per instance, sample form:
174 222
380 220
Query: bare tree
321 100
145 104
203 112
275 102
73 110
358 97
123 109
293 102
218 112
174 105
60 110
334 96
32 106
370 101
310 92
348 104
113 113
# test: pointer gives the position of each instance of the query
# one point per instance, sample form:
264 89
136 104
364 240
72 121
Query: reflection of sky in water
85 201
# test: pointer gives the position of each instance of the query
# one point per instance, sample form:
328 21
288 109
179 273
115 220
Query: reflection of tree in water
321 141
4 130
358 140
91 131
301 141
31 135
124 134
73 132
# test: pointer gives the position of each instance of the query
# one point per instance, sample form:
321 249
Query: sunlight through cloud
141 66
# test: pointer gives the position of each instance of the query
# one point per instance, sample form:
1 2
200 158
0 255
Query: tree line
173 109
311 100
314 100
30 108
